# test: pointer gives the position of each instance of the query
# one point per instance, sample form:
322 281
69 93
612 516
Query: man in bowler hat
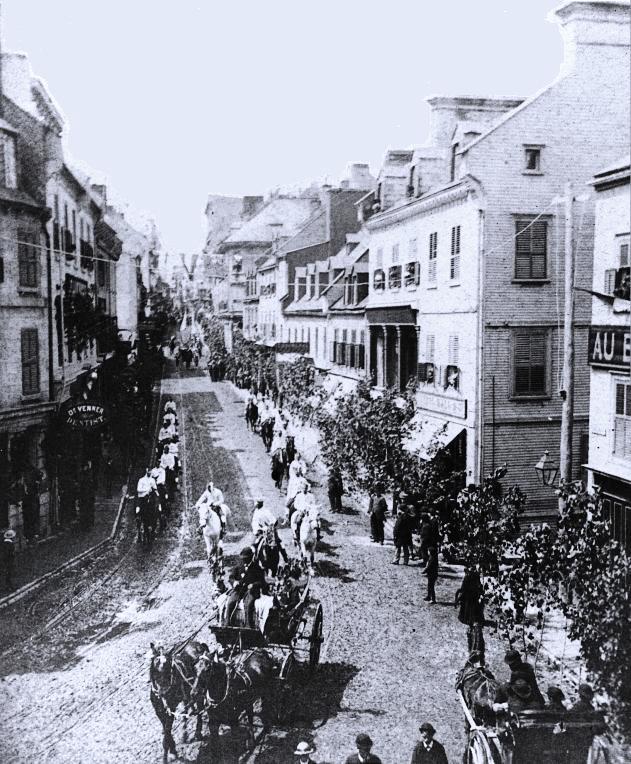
363 755
428 750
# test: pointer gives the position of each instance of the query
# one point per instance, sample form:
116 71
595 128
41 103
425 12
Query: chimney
590 29
360 177
446 112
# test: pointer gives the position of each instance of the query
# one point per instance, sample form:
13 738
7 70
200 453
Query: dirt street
78 691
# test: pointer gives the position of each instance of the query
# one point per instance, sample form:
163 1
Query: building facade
609 351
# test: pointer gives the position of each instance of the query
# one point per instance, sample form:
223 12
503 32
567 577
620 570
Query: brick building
487 243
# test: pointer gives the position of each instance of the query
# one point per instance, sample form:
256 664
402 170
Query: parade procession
315 395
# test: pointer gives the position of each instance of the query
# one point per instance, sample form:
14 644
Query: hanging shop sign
610 346
87 415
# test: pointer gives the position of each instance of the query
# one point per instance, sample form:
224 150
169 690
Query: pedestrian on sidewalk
431 571
428 750
363 744
469 598
402 535
377 510
86 498
8 558
303 752
335 489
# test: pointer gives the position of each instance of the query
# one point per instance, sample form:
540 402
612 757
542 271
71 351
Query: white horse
212 529
306 538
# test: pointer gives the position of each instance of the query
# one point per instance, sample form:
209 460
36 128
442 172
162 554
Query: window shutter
454 343
530 249
30 361
429 347
530 352
624 254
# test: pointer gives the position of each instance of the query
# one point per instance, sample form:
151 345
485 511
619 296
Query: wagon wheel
478 749
315 640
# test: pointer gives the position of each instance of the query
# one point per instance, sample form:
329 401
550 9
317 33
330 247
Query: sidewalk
33 561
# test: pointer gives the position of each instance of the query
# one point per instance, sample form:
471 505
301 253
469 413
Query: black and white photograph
315 382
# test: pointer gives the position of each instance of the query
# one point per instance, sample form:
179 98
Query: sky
171 101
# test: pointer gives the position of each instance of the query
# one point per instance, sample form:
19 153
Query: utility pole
567 393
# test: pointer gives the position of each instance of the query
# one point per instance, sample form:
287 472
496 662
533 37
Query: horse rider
263 519
168 464
160 477
279 441
166 433
211 498
170 406
303 503
298 466
146 491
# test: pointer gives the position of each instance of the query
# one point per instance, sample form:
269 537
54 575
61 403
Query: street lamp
546 469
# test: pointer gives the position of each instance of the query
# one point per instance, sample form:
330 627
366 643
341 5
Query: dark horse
172 678
146 520
251 415
269 552
278 467
290 452
229 689
478 687
267 433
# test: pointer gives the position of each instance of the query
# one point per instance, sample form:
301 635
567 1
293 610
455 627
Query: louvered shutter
530 249
530 352
30 361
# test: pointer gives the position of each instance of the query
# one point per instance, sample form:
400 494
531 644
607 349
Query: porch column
398 369
384 368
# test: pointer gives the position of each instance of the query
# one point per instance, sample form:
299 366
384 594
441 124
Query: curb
13 597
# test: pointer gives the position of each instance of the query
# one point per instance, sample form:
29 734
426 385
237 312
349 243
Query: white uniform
159 474
170 406
279 441
304 501
296 466
170 417
262 519
167 461
210 496
294 486
145 486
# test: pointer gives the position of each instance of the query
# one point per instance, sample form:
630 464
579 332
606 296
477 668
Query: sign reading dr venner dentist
86 416
610 346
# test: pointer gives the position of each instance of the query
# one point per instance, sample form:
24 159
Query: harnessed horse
172 679
229 689
290 452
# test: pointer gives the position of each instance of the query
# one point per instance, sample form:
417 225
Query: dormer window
532 159
8 174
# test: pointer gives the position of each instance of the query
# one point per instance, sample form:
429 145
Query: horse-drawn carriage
543 736
248 674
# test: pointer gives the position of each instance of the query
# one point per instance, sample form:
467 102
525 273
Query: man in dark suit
428 750
431 571
520 669
363 755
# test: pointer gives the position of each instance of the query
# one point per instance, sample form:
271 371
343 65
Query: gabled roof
280 217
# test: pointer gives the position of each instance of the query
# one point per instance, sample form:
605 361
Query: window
452 372
412 274
379 281
624 253
395 253
56 208
433 255
454 157
530 356
430 344
379 258
323 280
454 265
532 159
30 362
8 176
622 421
27 259
394 277
610 280
530 250
413 249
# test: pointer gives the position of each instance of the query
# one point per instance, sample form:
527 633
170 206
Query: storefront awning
401 314
431 434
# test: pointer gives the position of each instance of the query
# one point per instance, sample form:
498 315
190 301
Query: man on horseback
146 494
211 499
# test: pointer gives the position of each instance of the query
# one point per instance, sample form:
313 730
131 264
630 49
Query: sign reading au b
86 416
610 346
